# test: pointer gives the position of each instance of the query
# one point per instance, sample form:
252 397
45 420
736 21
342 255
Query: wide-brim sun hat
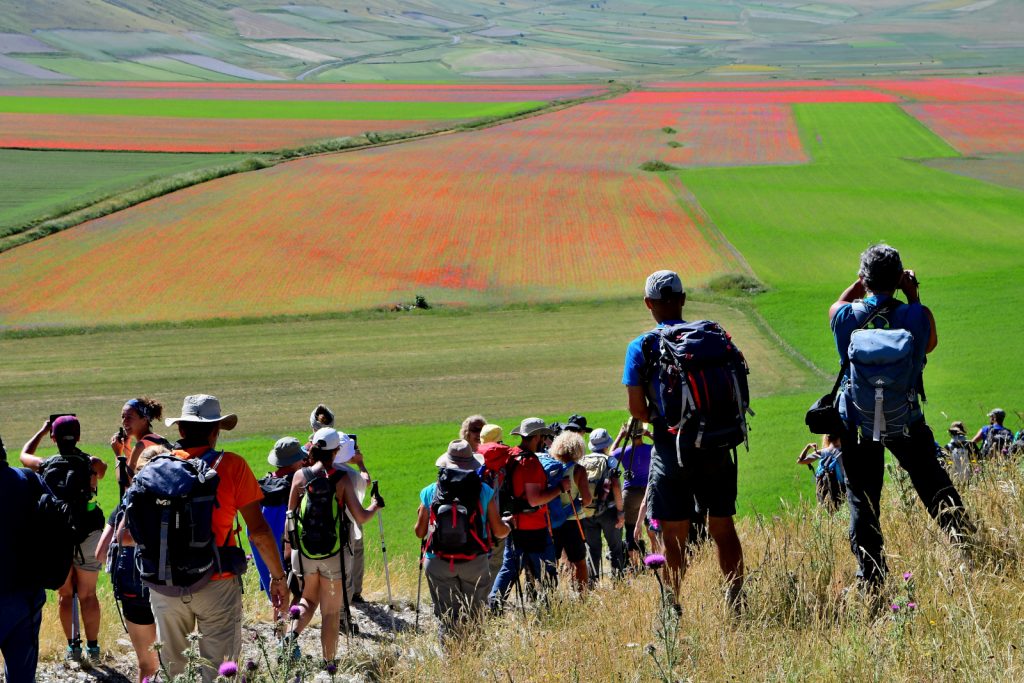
287 451
600 439
203 408
460 455
531 426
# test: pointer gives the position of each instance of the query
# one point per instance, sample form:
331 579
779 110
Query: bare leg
674 537
64 597
730 553
89 604
308 603
330 617
143 637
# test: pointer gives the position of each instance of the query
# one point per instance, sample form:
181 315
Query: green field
403 382
273 109
801 228
40 184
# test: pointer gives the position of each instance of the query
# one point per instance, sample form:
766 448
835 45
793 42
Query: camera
54 416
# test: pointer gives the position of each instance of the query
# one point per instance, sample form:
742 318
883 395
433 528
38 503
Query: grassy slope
277 109
46 183
430 369
802 228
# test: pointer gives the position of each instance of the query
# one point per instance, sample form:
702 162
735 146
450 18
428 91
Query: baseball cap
661 280
531 426
997 413
66 428
491 433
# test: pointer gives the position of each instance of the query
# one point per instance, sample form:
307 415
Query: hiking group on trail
495 520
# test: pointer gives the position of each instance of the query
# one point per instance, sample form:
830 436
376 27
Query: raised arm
855 291
346 487
28 457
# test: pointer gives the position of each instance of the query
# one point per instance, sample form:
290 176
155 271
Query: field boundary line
256 161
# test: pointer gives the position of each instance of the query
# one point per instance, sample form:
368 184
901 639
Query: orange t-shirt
237 488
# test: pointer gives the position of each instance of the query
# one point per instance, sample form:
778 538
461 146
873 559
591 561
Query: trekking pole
586 546
518 583
76 635
375 494
419 581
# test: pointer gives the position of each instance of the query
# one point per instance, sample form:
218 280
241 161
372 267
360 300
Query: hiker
635 457
73 477
605 515
960 452
457 457
495 456
827 465
564 511
994 439
117 550
318 538
21 597
471 429
137 417
649 526
349 455
193 567
526 494
877 418
458 518
694 444
286 458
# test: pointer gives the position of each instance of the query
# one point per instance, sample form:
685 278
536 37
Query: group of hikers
492 513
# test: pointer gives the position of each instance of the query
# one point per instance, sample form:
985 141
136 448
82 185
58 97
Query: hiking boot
358 599
93 652
73 653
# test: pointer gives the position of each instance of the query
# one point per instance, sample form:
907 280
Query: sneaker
73 653
93 652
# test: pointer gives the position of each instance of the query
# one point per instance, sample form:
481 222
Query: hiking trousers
458 591
864 463
358 564
496 555
533 551
216 609
604 525
19 633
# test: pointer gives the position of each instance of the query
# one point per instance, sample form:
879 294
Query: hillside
430 40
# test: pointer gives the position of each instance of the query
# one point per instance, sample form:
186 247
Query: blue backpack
883 384
561 508
169 512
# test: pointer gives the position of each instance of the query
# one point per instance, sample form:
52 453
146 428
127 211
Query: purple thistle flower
295 612
146 679
911 605
332 668
228 669
894 607
654 561
250 665
907 576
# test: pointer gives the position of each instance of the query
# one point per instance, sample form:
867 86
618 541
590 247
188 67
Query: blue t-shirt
638 461
17 508
634 368
910 317
486 493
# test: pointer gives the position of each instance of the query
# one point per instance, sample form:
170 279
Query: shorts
329 567
707 476
137 611
567 537
88 562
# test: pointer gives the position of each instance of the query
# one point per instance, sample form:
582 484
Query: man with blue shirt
881 275
677 477
994 437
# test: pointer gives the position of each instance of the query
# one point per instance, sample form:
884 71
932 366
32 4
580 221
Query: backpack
561 508
125 579
275 490
703 385
457 517
169 512
508 500
321 525
829 487
51 519
997 441
598 474
69 478
882 381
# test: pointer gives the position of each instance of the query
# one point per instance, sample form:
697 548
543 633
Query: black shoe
358 599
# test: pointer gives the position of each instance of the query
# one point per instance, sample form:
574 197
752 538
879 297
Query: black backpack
53 521
457 517
275 490
997 442
703 378
125 579
169 512
69 478
321 524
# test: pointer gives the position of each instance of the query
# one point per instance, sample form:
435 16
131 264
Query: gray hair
881 268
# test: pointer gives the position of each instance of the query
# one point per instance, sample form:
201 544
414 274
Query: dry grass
800 624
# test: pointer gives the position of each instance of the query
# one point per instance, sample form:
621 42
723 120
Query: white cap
662 280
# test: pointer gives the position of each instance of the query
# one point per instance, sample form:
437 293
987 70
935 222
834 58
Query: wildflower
228 669
907 576
650 649
295 612
654 561
894 607
250 665
911 605
146 679
332 668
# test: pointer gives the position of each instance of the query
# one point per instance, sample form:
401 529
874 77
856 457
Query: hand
365 476
638 531
279 593
620 522
565 485
910 285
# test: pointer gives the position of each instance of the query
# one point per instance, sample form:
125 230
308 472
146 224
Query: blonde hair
148 454
469 422
567 447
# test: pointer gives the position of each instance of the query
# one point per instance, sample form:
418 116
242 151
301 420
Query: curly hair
881 268
478 420
567 447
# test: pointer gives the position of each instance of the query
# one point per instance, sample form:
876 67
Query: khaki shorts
89 563
329 567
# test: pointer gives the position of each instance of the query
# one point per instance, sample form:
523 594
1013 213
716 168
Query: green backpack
321 525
